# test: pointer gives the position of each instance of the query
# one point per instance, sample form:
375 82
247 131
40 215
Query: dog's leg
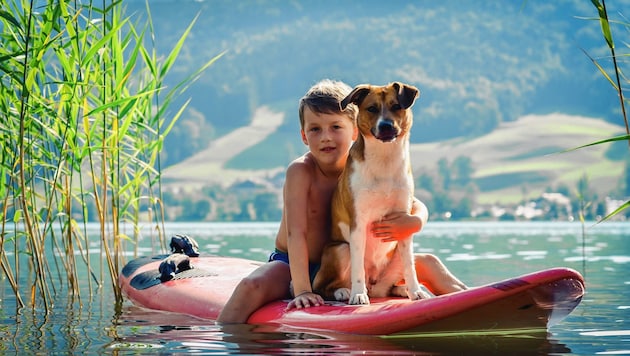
342 256
334 274
341 290
414 291
358 293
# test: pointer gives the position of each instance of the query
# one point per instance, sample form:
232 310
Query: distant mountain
479 64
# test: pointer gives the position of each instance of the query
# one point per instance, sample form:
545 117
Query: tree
267 207
462 169
202 208
583 190
463 209
425 182
445 173
194 210
442 203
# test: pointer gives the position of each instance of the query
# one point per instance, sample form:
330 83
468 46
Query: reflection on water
157 332
478 253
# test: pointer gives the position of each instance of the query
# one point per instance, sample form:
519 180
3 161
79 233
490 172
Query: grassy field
523 158
518 160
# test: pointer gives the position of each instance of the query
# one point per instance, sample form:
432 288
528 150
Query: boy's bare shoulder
301 166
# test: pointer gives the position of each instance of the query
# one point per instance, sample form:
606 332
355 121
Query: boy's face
328 136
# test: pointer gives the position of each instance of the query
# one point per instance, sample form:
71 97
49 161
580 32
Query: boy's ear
304 137
355 132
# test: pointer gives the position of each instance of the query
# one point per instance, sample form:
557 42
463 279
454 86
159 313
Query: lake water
478 253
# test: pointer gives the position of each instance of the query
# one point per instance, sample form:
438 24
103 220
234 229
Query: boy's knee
250 284
427 259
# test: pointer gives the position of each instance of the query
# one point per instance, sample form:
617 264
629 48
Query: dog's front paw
359 298
342 294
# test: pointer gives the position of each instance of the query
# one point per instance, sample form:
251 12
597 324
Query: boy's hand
396 226
305 300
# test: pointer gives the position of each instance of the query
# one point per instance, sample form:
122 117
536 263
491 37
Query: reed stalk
607 34
615 80
83 116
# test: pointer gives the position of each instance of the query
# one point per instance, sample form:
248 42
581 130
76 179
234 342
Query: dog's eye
373 109
396 107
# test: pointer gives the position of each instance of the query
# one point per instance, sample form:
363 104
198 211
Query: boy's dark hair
325 98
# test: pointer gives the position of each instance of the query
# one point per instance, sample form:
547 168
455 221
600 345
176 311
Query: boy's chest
320 198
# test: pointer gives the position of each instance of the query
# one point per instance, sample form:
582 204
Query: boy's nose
326 135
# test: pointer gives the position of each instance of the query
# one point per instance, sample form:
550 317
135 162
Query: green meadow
526 154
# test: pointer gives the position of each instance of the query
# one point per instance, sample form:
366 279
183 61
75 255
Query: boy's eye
373 109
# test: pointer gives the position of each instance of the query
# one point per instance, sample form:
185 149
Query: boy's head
325 98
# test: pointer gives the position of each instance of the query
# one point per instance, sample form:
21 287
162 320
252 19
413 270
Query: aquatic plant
615 80
83 115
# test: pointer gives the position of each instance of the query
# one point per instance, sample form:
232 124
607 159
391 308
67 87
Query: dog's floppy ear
356 96
407 94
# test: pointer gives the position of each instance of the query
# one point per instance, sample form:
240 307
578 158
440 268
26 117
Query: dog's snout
386 126
385 131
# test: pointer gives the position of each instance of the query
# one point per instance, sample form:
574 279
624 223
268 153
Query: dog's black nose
386 131
386 126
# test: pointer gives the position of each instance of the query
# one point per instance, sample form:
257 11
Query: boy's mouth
328 149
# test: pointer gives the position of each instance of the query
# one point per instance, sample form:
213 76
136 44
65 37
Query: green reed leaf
621 208
100 47
118 102
607 140
605 25
172 56
602 70
9 17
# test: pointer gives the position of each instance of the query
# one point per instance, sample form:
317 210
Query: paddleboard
527 303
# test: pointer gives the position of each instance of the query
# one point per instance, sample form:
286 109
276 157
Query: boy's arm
399 226
296 189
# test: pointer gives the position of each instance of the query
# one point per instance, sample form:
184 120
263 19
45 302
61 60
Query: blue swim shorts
278 255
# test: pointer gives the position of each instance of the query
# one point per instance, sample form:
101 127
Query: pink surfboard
531 302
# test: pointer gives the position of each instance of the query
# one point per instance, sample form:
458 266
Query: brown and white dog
376 181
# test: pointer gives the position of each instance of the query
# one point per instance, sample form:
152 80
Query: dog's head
383 110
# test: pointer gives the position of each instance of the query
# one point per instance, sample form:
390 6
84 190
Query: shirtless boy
305 226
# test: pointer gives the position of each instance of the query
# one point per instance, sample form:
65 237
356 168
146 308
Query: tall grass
616 79
83 115
616 83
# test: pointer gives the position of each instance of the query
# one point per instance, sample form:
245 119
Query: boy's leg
435 276
267 283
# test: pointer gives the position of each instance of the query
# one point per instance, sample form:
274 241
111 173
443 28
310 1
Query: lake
477 252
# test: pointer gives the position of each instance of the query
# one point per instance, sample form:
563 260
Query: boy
305 226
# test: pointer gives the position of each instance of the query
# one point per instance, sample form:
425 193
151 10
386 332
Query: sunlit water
478 253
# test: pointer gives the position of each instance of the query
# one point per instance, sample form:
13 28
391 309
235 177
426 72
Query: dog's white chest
378 193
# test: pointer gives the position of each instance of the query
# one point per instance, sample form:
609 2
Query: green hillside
521 159
477 63
517 159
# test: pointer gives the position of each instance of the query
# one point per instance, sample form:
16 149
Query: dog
377 180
